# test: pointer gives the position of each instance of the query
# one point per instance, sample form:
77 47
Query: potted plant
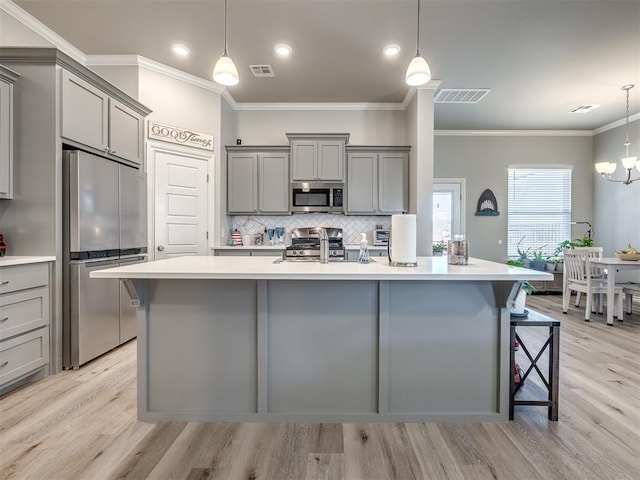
438 248
560 265
550 264
538 262
523 254
520 301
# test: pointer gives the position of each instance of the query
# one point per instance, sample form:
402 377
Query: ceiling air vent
461 95
261 71
583 108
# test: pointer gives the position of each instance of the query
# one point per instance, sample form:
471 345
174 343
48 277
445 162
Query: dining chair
581 276
596 272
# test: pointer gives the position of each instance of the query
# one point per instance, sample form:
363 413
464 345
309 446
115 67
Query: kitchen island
254 339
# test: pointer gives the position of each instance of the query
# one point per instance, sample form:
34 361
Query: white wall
15 34
483 161
366 127
228 135
125 78
616 207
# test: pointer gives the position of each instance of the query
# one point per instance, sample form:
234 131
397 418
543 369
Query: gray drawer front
19 277
23 311
22 355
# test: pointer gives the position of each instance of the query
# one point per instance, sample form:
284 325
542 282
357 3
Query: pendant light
606 169
225 72
418 72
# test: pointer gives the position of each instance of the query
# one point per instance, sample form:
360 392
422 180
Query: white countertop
17 260
282 247
264 268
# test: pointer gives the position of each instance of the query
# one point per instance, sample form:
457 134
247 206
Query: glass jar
458 251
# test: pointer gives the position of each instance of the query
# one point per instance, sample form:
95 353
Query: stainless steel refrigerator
105 226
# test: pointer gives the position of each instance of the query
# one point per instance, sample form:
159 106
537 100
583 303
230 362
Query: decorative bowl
628 256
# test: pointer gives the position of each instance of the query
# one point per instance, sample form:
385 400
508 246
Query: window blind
539 209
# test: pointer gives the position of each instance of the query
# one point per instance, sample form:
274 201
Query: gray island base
341 343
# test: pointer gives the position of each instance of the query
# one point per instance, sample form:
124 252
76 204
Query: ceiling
539 58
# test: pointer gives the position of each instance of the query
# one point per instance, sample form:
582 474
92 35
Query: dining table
612 265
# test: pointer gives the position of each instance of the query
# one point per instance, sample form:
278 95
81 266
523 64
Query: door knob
161 248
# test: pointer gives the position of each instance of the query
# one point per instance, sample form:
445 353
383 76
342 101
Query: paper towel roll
403 238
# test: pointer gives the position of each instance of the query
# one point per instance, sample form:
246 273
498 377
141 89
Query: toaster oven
381 236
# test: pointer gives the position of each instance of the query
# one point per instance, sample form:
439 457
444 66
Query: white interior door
448 208
180 203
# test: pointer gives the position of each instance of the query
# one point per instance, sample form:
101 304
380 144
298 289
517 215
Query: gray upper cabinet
362 181
7 79
393 182
257 181
242 182
317 157
92 118
273 182
377 180
126 132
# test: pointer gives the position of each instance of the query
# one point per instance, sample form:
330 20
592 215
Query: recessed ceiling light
283 49
391 50
180 50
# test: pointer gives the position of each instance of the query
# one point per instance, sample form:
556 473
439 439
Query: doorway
178 180
448 208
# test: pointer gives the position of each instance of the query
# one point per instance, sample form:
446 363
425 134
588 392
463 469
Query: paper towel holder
398 264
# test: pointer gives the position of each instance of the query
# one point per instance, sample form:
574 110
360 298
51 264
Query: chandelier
606 169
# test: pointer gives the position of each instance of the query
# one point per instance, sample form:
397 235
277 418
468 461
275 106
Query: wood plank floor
82 425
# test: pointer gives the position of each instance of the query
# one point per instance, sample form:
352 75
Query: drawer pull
4 364
4 319
3 283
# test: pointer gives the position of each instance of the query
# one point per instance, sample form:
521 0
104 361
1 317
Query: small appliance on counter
381 236
305 244
3 246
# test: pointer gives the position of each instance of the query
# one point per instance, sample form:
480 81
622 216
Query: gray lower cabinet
317 157
352 255
377 180
24 322
257 181
7 79
246 252
92 118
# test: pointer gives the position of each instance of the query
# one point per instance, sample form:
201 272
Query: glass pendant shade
225 72
605 168
418 72
629 162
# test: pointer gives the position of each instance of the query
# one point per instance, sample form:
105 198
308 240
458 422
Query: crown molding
616 124
430 85
513 133
41 29
143 62
319 106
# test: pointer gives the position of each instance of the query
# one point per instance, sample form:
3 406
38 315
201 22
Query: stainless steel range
305 244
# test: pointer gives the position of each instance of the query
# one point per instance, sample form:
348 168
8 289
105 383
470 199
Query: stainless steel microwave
317 197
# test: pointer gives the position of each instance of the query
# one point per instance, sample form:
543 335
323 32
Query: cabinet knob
161 248
5 282
4 364
4 319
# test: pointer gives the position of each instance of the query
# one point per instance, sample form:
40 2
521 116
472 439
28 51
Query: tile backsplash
352 225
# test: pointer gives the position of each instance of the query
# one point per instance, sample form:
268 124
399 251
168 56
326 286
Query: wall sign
487 205
158 131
